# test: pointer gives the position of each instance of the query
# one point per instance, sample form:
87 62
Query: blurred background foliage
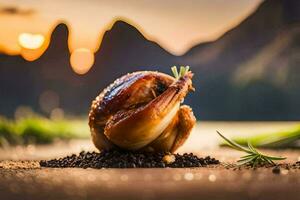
41 130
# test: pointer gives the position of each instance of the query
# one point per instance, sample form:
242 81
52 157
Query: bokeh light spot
31 41
57 114
188 176
23 112
82 60
48 101
212 178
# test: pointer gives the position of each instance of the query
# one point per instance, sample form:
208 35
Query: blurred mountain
124 49
250 73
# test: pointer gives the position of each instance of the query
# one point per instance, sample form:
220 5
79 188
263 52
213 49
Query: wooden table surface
26 180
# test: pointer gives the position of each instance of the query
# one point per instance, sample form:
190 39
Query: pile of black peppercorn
117 159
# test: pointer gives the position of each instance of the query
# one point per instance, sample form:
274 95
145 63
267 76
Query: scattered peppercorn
276 170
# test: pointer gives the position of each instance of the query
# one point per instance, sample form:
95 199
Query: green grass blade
234 144
247 156
255 161
187 68
182 71
267 160
247 161
275 158
252 148
175 72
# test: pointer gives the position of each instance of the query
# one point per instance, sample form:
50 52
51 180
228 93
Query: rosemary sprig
253 157
183 70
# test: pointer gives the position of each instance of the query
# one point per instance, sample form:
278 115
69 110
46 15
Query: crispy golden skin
141 111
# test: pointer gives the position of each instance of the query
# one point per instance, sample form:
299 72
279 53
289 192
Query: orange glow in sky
32 45
82 60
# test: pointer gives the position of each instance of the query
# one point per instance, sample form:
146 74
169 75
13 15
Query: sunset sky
175 24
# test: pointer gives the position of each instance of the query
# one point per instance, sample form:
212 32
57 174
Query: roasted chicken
141 111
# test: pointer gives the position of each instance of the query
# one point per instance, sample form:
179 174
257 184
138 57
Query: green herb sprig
253 157
182 72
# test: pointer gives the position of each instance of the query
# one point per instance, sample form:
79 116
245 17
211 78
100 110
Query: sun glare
31 41
82 60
